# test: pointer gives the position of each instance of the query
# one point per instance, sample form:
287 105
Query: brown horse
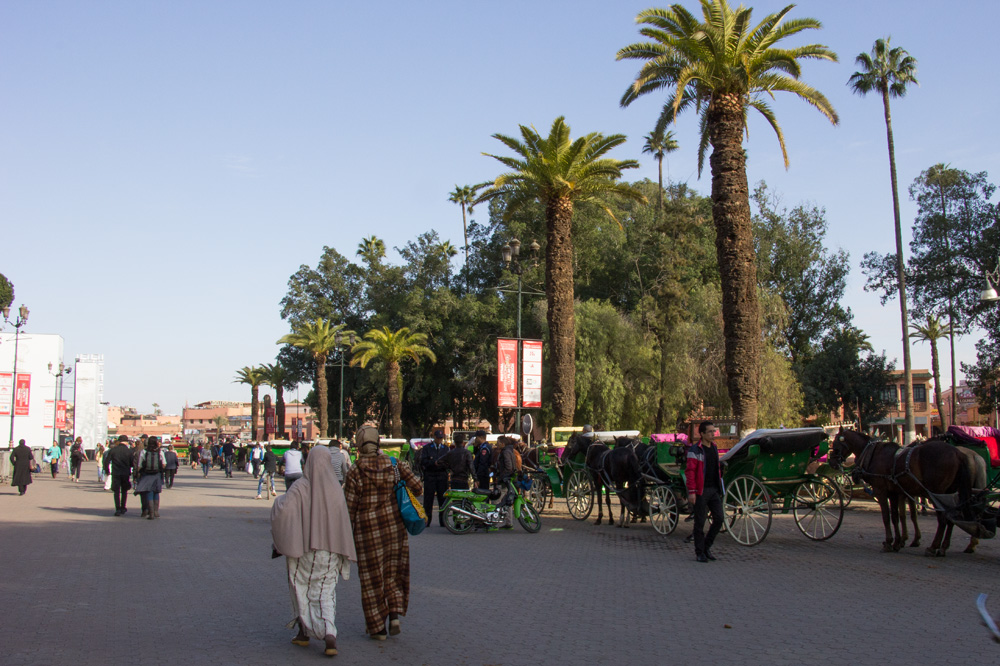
933 469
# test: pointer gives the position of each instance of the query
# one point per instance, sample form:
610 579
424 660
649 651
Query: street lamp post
338 339
22 319
989 295
63 370
512 262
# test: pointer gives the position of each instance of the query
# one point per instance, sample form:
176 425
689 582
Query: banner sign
60 414
22 397
6 393
531 371
506 372
269 421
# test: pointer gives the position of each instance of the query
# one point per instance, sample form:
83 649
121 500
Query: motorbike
488 509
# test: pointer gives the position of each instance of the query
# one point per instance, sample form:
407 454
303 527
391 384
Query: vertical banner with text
506 372
531 373
22 399
6 392
60 414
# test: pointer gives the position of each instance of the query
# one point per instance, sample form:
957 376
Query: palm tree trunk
254 409
465 232
321 391
661 408
734 248
951 312
909 431
659 190
561 319
395 400
936 369
279 410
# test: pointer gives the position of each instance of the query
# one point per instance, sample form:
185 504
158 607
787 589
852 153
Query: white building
90 412
32 397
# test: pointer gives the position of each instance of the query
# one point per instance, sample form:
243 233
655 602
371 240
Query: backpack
151 465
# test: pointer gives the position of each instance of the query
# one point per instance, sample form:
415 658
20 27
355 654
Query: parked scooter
468 509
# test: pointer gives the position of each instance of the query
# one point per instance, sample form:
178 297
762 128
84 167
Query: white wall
34 352
90 413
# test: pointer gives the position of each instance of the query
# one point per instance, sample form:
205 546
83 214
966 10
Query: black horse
611 469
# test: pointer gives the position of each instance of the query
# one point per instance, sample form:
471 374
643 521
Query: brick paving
198 587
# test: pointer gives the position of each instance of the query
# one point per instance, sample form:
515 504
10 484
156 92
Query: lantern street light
512 262
989 295
22 319
56 395
338 339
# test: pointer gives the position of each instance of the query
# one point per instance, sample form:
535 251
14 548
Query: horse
617 467
932 469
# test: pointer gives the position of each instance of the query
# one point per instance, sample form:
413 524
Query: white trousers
312 583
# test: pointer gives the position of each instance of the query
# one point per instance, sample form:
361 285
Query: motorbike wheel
529 518
455 522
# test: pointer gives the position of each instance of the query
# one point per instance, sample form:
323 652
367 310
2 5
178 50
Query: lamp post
512 262
63 370
22 319
989 295
338 339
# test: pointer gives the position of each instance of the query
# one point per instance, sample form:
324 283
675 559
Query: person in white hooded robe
311 527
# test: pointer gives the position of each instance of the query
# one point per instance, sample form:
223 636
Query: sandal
380 636
330 650
304 642
394 627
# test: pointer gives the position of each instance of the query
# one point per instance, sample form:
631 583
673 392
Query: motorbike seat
492 494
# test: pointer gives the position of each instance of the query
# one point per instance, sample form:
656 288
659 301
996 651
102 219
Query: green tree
6 292
465 196
724 66
391 348
220 422
658 144
931 331
252 376
889 71
319 339
560 173
278 377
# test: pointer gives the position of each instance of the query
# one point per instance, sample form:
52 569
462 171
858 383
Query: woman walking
53 455
310 527
379 533
99 457
150 485
266 482
205 458
24 465
76 457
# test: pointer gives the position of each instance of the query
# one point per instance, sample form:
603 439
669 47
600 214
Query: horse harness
906 453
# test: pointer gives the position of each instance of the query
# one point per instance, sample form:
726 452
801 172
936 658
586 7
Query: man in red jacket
704 484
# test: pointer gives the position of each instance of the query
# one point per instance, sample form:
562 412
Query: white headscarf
312 514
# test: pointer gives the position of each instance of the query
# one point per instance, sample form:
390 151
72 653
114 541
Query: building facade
925 416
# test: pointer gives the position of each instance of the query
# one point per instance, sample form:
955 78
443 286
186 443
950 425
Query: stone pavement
198 587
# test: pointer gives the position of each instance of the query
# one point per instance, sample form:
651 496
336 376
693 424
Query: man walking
704 483
228 451
256 458
170 467
484 459
341 461
24 464
118 462
435 475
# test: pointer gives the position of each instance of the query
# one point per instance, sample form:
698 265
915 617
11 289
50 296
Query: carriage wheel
539 492
748 510
846 484
456 523
529 518
663 511
579 493
818 508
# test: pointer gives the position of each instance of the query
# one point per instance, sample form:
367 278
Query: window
919 393
889 394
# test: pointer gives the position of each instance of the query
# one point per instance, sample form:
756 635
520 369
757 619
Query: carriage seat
991 446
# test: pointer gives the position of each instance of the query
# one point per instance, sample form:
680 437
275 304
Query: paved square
80 587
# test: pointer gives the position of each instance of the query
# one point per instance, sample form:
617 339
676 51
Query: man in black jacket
171 467
228 451
435 475
484 459
118 463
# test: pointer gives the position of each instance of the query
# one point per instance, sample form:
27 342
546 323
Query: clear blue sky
165 167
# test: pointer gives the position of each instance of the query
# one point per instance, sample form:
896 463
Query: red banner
506 372
60 414
269 421
22 397
531 373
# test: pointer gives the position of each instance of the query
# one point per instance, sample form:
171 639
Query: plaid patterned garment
380 537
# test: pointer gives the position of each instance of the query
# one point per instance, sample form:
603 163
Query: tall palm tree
319 339
888 71
559 173
279 378
931 332
371 249
658 144
465 196
253 376
392 347
722 67
220 422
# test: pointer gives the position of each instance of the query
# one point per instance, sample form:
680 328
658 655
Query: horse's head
576 444
845 442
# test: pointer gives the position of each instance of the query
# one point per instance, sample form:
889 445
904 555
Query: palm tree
723 67
465 196
220 422
888 71
279 378
371 249
391 348
658 145
559 174
931 332
319 339
253 376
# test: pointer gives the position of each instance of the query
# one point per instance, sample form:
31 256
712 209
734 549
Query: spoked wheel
455 522
529 518
818 508
663 511
748 510
539 492
846 484
580 494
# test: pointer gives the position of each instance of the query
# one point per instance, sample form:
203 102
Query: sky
166 166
